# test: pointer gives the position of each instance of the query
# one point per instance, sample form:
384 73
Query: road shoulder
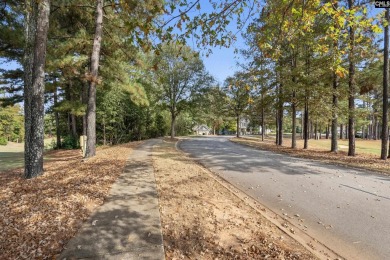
204 218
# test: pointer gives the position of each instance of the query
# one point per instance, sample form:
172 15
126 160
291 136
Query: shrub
3 141
70 142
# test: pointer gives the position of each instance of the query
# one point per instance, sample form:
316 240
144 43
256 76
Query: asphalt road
346 209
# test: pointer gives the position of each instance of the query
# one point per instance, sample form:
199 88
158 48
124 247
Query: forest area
119 71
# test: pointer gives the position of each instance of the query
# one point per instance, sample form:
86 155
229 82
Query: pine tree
37 24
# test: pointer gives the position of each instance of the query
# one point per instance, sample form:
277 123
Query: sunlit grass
12 154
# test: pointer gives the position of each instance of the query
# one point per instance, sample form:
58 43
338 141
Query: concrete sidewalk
127 225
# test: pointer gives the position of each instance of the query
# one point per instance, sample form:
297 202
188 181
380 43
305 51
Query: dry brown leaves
38 216
363 161
201 219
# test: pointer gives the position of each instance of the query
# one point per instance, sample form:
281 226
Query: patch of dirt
362 161
38 216
202 219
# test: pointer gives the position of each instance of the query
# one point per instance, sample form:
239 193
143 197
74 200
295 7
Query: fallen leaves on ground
38 216
363 161
202 219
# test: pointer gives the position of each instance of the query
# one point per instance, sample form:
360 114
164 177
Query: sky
222 62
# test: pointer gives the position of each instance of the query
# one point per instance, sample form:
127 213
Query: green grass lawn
12 154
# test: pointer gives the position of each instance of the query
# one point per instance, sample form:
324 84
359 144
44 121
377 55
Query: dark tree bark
36 28
73 120
341 131
385 137
173 121
262 117
311 130
294 123
351 87
84 100
306 125
302 123
104 132
370 131
334 145
320 132
57 120
327 131
91 106
277 128
376 128
238 126
294 110
280 117
305 128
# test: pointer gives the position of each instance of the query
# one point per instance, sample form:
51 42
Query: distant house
201 130
243 125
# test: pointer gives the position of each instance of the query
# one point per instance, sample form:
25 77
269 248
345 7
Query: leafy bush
70 142
52 145
3 141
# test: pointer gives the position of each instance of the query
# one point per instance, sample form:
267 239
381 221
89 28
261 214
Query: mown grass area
367 151
12 154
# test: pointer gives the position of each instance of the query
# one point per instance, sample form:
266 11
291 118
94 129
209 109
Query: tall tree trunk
280 118
74 125
277 128
302 123
57 120
311 130
334 144
91 106
262 121
238 126
306 125
377 135
173 121
341 131
385 137
370 131
294 123
306 105
293 106
351 85
320 132
73 120
104 131
36 28
327 131
84 100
